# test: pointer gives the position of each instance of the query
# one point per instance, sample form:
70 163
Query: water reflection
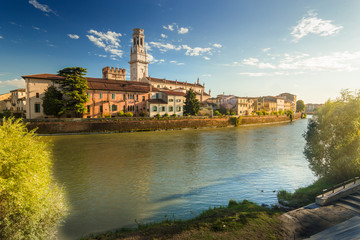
113 179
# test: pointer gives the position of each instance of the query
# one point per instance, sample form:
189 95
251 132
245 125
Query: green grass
303 196
238 220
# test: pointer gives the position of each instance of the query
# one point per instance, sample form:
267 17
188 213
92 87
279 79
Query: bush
166 115
157 115
232 113
174 115
217 113
129 114
107 115
31 203
120 113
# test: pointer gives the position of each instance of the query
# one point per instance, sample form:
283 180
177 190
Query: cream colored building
166 102
289 98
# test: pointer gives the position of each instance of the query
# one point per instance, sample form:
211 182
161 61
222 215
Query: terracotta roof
18 90
174 93
101 84
156 101
173 82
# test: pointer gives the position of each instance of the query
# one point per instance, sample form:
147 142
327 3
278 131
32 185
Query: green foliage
143 114
303 196
236 120
107 115
52 101
258 113
166 115
281 112
333 138
120 113
73 87
274 113
192 105
173 115
5 114
289 113
233 113
217 113
31 203
157 115
128 114
300 106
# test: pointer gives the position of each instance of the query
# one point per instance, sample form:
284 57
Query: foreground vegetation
31 204
238 220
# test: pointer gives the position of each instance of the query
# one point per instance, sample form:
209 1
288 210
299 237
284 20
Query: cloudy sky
242 47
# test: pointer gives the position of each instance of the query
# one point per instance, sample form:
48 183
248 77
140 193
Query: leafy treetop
192 105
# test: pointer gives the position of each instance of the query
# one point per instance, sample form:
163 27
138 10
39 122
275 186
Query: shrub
129 114
31 203
157 115
258 113
166 115
174 115
143 114
232 113
217 113
281 112
120 113
107 115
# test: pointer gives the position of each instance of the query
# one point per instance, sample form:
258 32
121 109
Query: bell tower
138 56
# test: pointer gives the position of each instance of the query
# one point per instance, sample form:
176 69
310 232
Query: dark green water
113 179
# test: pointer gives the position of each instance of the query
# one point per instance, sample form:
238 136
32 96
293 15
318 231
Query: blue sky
247 48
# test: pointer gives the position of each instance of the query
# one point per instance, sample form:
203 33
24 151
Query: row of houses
248 105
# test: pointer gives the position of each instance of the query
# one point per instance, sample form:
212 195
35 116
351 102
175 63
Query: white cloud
19 83
250 61
176 62
109 41
73 36
217 45
266 49
206 58
163 35
170 27
206 75
36 28
164 47
42 7
312 24
183 30
1 37
196 51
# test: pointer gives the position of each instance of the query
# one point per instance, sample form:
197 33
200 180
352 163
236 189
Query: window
124 96
101 96
157 96
137 97
88 94
101 109
137 108
179 108
171 109
171 100
88 108
113 96
114 107
155 108
37 107
143 98
124 108
37 95
163 108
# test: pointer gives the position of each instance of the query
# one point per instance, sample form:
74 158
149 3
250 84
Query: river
116 180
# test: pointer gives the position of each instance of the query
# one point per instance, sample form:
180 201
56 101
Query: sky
241 47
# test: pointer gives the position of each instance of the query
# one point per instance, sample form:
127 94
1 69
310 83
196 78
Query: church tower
138 56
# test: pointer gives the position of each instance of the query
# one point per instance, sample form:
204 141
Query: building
113 93
5 102
165 102
310 107
290 98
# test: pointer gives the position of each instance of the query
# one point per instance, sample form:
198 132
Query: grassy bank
238 220
303 196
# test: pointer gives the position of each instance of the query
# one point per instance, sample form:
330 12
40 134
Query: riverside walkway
339 219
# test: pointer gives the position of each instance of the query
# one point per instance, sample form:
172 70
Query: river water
116 180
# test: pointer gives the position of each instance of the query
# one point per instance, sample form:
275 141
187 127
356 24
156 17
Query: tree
73 87
31 203
333 138
52 101
300 106
192 105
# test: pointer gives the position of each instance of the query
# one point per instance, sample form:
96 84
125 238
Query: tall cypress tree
192 105
73 86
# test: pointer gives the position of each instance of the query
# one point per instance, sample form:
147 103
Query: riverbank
238 220
66 126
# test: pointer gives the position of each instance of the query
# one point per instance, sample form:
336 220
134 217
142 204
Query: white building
166 102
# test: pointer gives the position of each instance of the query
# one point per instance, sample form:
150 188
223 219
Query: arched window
141 41
134 41
155 108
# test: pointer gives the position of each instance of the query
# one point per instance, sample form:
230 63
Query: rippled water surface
114 179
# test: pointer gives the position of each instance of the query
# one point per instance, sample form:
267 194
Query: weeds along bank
57 126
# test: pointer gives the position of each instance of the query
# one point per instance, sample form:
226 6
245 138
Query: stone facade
166 102
114 73
138 56
5 102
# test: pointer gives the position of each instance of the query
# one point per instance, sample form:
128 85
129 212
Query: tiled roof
151 79
102 84
5 96
156 101
18 90
174 93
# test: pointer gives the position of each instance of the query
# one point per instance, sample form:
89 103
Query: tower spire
138 57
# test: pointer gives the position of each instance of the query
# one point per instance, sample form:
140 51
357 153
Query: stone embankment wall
54 126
